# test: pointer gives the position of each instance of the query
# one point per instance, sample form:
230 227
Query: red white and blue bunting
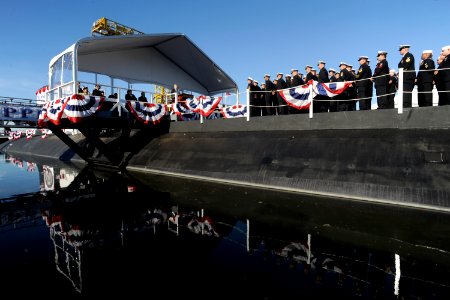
181 110
79 106
203 105
330 89
235 111
147 112
297 97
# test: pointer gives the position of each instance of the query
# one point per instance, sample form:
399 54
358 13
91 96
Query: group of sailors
265 100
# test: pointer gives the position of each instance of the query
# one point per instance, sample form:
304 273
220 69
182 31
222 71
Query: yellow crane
104 26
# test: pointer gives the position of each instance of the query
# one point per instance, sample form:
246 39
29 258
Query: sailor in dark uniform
381 73
288 80
363 84
309 75
425 79
256 111
321 105
296 78
392 87
268 95
281 85
351 90
344 75
251 89
445 76
409 75
331 74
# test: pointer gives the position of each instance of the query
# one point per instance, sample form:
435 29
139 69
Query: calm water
71 232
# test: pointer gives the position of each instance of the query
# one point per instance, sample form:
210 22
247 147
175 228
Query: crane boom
104 26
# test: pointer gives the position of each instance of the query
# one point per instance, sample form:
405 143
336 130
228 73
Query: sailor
445 76
281 85
409 75
344 75
351 91
321 105
309 75
332 73
381 74
391 88
255 101
288 80
424 79
296 78
363 84
270 88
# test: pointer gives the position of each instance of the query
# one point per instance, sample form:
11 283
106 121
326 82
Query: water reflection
128 234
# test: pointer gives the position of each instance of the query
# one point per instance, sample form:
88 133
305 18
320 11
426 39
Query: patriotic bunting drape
235 111
147 112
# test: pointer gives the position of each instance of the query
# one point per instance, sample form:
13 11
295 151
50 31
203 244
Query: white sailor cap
403 46
249 78
363 57
392 71
255 81
445 47
313 70
308 66
294 70
332 70
343 63
266 75
381 53
321 62
279 73
351 66
427 51
288 75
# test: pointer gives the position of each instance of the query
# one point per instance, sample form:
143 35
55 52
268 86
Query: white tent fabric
163 59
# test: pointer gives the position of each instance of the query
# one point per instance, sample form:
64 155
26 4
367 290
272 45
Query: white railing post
247 95
119 108
310 99
400 91
201 116
176 102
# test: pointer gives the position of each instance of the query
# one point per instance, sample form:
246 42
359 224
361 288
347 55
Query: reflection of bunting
297 97
234 111
204 105
29 133
330 89
44 133
17 134
147 112
79 106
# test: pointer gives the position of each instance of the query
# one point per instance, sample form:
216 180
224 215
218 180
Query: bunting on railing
147 112
183 112
79 106
297 97
330 89
74 108
17 134
204 105
235 111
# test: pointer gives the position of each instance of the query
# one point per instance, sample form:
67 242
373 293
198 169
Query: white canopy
162 59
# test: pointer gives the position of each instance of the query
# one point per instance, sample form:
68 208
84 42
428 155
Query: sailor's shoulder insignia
360 70
408 59
426 66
